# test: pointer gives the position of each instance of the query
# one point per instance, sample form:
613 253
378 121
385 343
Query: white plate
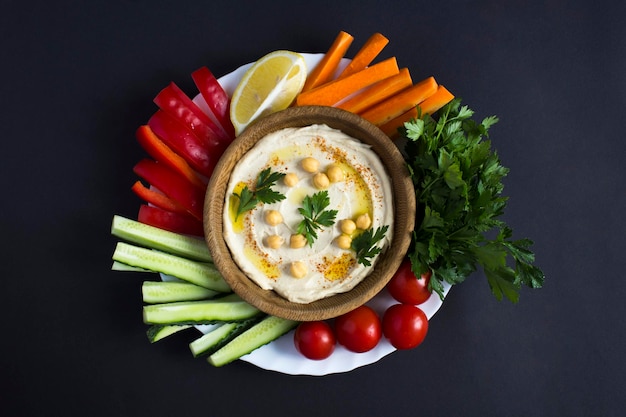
281 355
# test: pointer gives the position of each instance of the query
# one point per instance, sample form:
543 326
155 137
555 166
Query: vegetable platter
458 183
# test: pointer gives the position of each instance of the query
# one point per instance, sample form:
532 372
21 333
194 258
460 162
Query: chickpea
297 241
348 226
343 241
310 164
290 179
274 241
335 173
298 269
273 217
363 222
320 181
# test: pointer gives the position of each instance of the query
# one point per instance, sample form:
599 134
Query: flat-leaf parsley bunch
458 183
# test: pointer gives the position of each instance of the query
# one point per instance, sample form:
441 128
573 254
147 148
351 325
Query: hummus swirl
262 249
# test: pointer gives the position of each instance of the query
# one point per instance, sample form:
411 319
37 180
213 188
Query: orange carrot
325 69
366 54
391 127
157 149
429 106
332 92
401 102
377 92
156 198
439 99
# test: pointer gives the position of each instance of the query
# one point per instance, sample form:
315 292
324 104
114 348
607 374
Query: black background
77 79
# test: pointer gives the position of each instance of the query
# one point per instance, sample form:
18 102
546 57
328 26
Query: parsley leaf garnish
315 215
365 244
458 183
262 193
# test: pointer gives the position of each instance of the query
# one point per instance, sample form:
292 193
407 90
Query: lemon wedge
271 84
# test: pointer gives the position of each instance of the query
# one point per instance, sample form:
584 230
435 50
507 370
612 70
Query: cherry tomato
406 288
359 330
314 339
405 326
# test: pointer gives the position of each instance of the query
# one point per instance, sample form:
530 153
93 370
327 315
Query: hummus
264 240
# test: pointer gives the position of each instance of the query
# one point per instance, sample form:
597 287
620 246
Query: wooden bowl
388 261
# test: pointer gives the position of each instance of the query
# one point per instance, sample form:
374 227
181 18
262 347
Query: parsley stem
429 186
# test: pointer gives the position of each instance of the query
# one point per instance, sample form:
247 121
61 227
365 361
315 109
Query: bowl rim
388 261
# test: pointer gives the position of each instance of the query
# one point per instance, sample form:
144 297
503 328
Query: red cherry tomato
314 339
405 326
406 288
359 330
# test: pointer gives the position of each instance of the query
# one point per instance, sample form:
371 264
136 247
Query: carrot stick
391 127
157 149
325 69
401 102
429 106
377 92
368 52
157 199
439 99
332 92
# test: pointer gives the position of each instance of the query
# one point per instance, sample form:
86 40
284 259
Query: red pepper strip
168 220
156 198
216 98
174 101
164 154
184 142
172 185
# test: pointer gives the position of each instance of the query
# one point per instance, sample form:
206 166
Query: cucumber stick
154 292
156 238
175 306
202 344
227 308
218 337
199 273
118 266
265 331
158 332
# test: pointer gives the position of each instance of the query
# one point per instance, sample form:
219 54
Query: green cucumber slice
262 333
158 332
154 292
199 273
228 308
156 238
118 266
218 337
202 344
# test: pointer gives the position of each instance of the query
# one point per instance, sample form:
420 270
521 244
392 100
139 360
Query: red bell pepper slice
172 185
156 198
157 149
184 142
168 220
215 97
174 101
